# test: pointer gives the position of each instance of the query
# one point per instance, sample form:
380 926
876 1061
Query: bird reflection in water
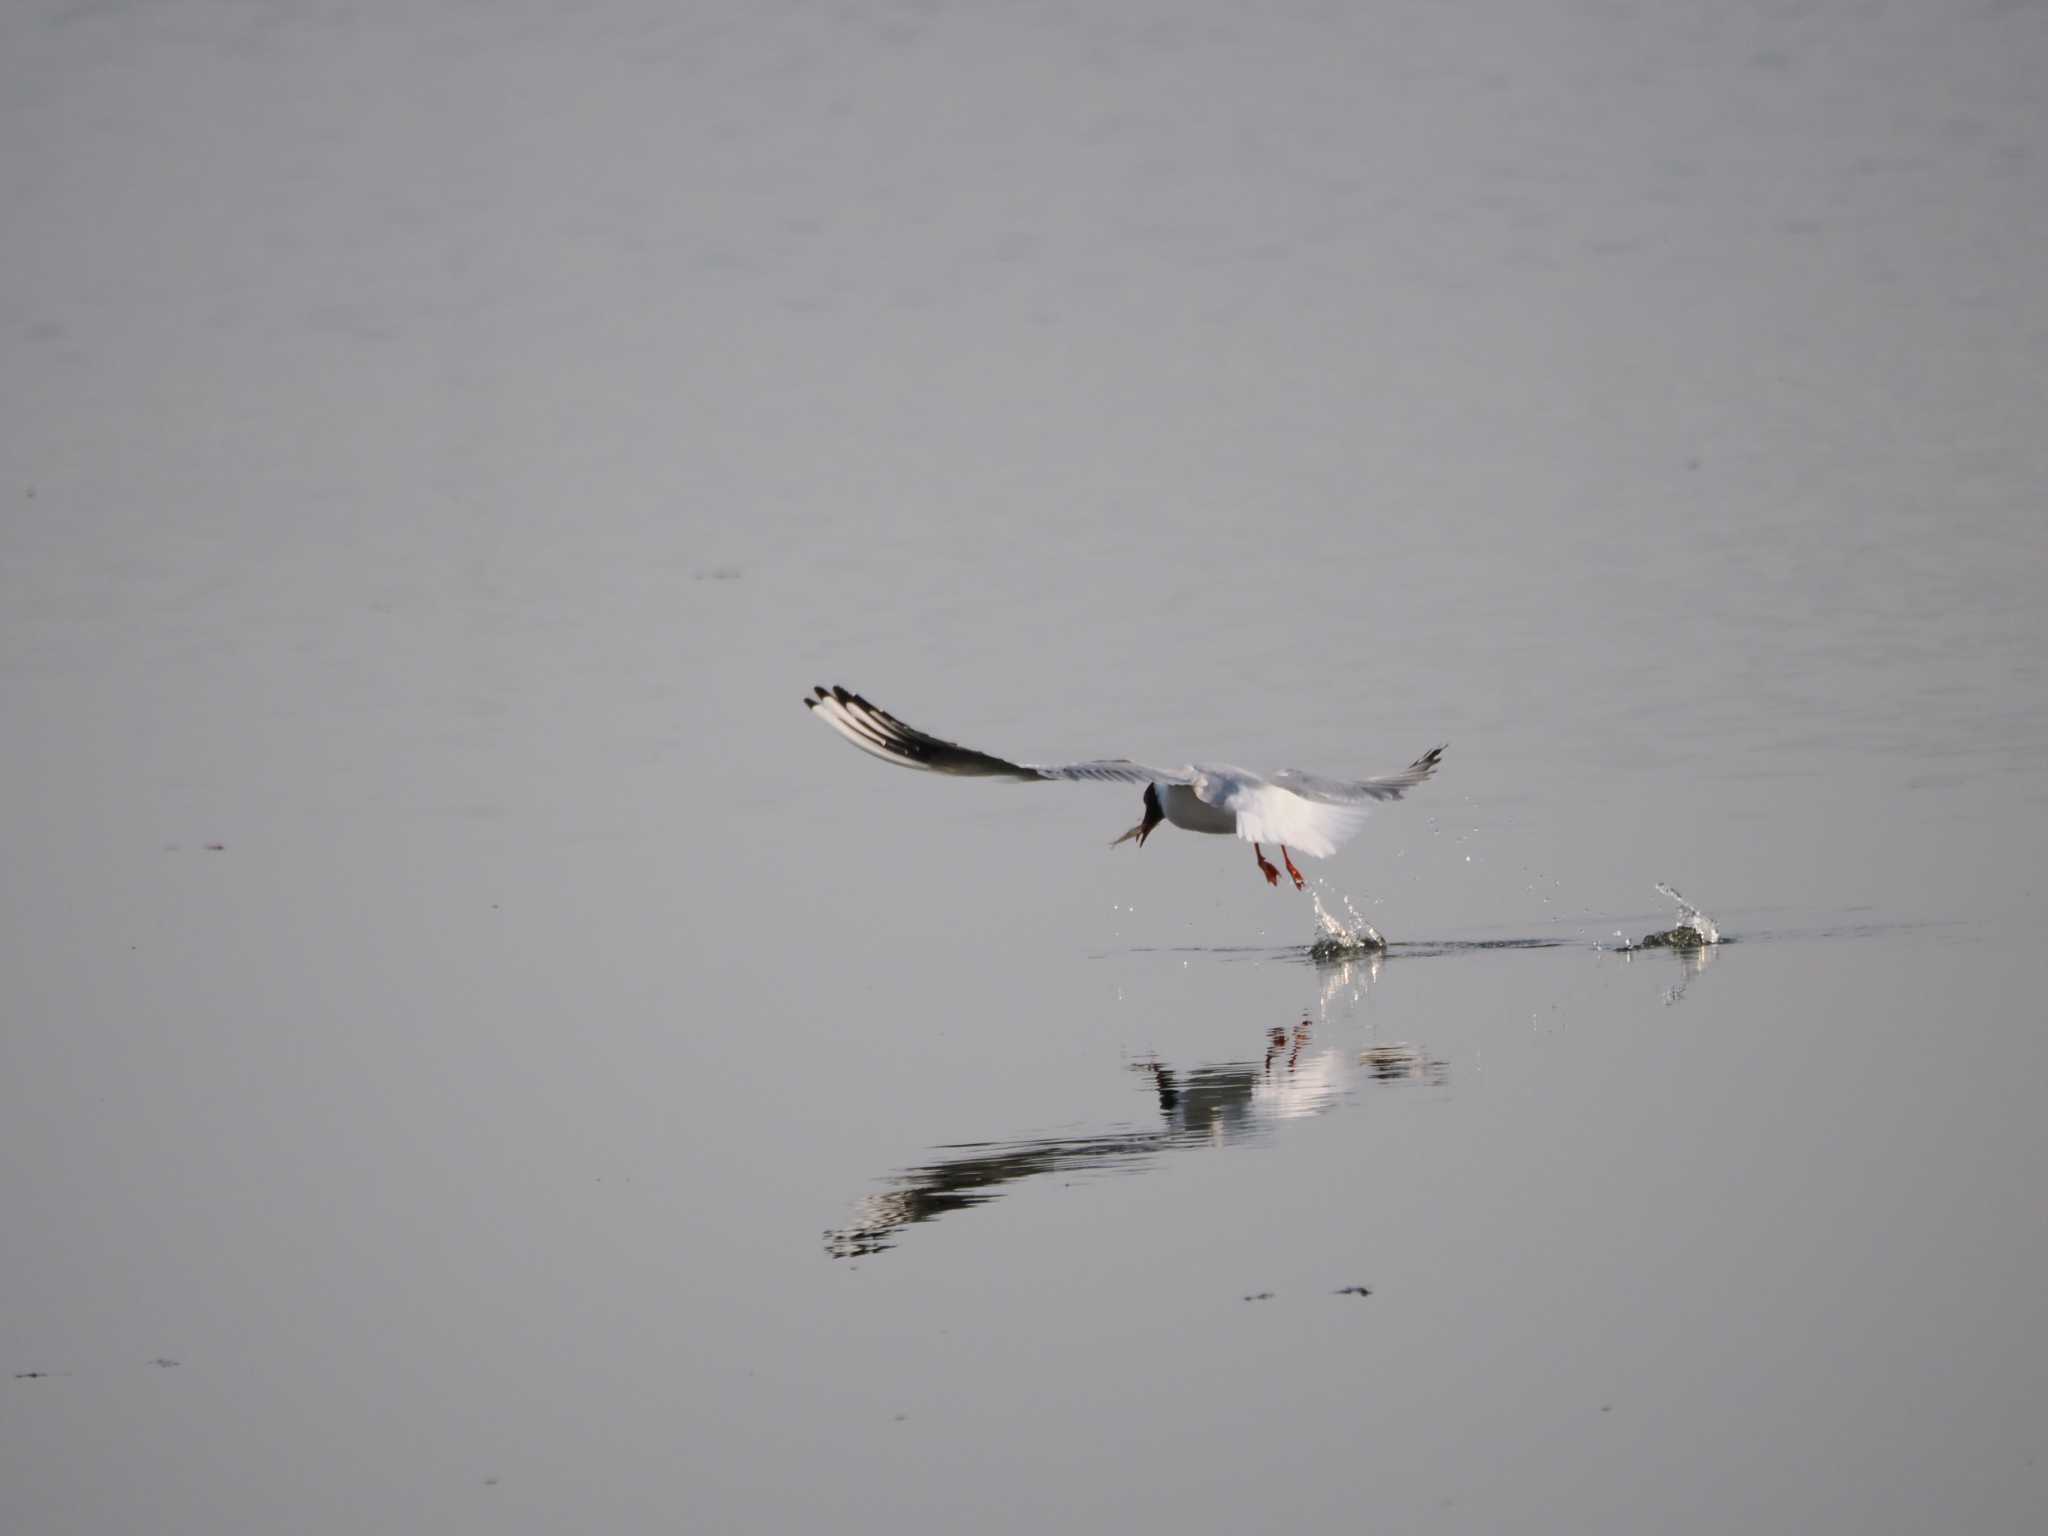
1205 1106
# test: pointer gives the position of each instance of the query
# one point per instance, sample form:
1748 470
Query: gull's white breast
1190 812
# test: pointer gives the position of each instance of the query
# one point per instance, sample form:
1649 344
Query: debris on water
1352 1290
1693 930
1342 938
1260 1296
163 1362
1673 938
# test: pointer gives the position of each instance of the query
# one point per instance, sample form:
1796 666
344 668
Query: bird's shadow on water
1208 1105
1212 1104
1235 1101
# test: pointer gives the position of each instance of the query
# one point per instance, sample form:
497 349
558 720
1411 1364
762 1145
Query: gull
1296 810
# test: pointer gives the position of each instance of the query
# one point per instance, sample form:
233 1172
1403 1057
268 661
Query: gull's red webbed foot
1299 883
1266 865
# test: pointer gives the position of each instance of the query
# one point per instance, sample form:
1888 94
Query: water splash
1342 938
1693 930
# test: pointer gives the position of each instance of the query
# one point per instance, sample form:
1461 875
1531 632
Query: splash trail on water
1339 939
1693 930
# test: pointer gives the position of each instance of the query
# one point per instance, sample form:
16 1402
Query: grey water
479 1057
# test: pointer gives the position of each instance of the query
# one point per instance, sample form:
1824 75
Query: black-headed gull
1296 810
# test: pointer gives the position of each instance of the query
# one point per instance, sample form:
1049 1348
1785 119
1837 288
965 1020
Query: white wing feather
1303 810
1266 813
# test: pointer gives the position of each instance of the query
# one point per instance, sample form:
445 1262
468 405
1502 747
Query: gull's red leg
1299 883
1265 865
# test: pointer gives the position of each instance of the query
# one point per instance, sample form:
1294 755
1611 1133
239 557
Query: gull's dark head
1153 816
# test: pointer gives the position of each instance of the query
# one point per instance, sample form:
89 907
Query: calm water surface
478 1056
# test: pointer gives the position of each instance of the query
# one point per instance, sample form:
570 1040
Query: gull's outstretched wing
1315 815
1352 791
881 734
